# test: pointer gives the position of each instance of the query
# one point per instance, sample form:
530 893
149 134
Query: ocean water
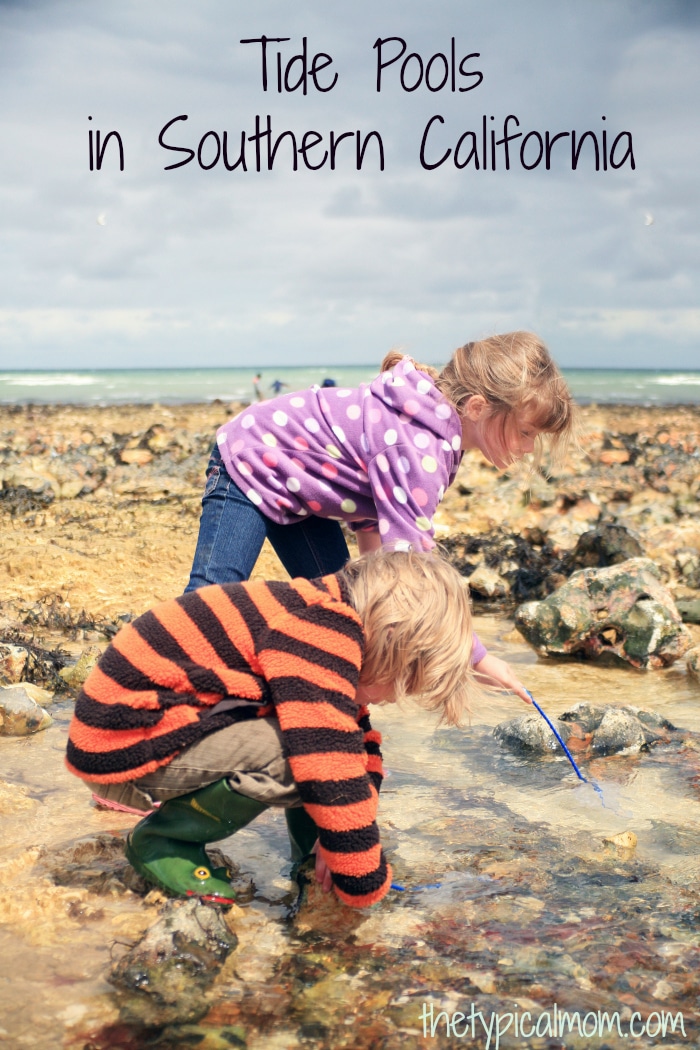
188 385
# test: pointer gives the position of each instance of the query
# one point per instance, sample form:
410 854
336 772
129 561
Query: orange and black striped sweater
291 649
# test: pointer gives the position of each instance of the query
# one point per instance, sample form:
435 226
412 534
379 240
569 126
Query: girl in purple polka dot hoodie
378 457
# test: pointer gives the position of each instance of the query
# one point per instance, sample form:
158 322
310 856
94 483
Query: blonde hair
396 355
517 378
418 629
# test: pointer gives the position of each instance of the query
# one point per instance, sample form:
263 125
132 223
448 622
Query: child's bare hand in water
323 872
494 671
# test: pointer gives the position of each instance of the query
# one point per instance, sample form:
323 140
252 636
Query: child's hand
493 671
323 872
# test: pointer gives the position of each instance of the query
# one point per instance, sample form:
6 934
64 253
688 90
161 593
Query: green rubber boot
303 832
167 847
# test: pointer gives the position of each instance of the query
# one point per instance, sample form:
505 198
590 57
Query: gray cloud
191 265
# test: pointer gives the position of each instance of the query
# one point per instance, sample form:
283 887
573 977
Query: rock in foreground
165 976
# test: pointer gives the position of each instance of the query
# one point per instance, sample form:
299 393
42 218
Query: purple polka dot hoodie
377 457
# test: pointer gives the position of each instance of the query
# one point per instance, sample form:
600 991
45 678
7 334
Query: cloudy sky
200 265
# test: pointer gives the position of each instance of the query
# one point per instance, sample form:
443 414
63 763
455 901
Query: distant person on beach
328 382
378 457
232 699
257 379
277 386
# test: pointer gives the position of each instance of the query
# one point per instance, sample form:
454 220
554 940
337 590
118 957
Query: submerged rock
211 1037
623 609
164 978
623 840
587 729
319 911
20 714
14 799
95 864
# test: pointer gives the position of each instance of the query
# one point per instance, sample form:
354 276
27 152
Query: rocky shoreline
99 509
516 893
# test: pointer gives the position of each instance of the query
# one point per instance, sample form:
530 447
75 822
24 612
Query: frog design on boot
167 846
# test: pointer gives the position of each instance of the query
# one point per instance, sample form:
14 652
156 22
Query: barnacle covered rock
623 609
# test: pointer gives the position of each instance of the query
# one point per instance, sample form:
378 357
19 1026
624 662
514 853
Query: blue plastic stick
551 725
428 886
568 754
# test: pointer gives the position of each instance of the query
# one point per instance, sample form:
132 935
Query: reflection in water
534 907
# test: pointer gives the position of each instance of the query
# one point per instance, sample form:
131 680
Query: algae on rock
164 978
623 609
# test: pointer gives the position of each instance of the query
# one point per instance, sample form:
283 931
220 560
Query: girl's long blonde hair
418 629
517 378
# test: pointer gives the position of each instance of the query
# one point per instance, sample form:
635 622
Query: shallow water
533 907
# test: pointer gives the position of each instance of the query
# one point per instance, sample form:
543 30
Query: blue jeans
232 531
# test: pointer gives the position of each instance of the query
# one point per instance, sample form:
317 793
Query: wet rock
164 978
693 663
504 568
587 730
35 692
688 561
689 610
623 840
208 1037
95 863
13 660
622 610
75 675
488 583
14 799
588 716
23 660
531 733
605 545
316 910
20 714
619 730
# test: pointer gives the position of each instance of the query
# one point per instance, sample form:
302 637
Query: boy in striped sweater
239 696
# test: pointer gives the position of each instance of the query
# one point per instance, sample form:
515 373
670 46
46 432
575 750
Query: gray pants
249 754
